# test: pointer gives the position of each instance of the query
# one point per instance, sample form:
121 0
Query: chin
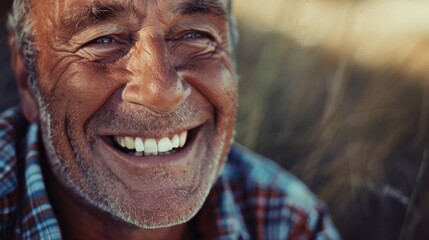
146 191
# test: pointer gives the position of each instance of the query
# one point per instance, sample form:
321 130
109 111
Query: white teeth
129 142
164 145
120 141
182 137
139 144
123 144
152 146
175 141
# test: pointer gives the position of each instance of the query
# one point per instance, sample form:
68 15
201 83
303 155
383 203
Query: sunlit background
336 92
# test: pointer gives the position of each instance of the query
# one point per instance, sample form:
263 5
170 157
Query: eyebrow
85 16
88 15
202 7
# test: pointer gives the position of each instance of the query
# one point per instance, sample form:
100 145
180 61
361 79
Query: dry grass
336 91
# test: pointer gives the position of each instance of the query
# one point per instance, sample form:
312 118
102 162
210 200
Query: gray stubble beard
89 192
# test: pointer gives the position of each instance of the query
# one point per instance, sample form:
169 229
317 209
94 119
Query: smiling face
138 102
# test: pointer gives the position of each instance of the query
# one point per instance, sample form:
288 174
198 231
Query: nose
154 83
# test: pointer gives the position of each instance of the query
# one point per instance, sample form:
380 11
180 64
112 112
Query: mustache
131 118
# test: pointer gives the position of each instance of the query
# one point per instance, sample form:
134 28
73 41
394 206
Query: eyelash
192 35
196 35
106 40
116 47
108 48
98 40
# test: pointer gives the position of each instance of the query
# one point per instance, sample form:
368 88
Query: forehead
60 9
71 16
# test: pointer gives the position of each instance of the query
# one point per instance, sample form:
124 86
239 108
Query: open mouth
144 146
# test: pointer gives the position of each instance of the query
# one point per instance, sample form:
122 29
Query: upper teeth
152 146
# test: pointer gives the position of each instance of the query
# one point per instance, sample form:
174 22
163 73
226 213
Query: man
129 117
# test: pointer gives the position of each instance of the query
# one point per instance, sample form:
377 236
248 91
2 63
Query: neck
79 220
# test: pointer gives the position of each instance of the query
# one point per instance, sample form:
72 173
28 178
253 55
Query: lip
152 161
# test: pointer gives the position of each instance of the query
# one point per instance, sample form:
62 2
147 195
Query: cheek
221 90
81 89
215 80
192 51
208 69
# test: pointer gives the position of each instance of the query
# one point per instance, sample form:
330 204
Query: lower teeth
139 154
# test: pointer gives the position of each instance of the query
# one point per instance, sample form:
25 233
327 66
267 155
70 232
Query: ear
28 100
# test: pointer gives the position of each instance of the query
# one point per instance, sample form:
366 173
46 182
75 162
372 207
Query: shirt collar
220 216
38 219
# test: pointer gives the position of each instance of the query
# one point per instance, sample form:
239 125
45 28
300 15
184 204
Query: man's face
116 77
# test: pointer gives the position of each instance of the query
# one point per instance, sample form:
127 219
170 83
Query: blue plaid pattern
25 212
252 199
255 199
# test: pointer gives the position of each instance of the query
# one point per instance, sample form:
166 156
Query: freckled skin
147 80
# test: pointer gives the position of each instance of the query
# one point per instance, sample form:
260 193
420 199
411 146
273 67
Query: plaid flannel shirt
252 199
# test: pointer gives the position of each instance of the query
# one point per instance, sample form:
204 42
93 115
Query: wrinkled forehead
59 7
67 14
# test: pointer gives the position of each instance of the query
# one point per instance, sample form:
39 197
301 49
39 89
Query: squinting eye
103 40
194 35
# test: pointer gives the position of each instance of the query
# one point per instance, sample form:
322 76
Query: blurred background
335 91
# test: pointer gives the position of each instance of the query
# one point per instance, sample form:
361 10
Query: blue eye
193 35
103 40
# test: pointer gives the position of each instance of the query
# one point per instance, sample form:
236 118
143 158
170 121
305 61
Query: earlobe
28 101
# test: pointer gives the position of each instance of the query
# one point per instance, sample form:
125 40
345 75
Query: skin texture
130 68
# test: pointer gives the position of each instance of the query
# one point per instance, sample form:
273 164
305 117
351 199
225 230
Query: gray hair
20 25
